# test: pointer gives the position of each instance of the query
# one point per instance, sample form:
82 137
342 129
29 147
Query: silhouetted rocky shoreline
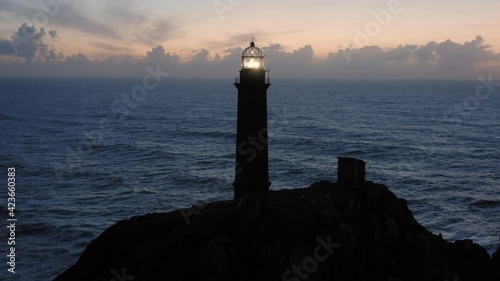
327 231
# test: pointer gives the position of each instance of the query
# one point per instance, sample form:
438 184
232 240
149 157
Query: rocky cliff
324 232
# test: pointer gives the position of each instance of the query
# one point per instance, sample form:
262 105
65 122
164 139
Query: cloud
201 57
73 15
435 60
9 5
159 55
237 39
441 60
6 47
117 20
452 55
27 42
124 11
403 53
77 59
155 33
109 47
76 16
53 33
426 53
51 55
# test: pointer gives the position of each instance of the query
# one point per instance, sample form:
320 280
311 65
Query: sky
353 39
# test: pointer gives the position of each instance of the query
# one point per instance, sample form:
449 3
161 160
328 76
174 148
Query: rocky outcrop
323 232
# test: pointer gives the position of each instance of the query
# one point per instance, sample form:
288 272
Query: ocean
87 153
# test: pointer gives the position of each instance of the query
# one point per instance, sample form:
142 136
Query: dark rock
324 232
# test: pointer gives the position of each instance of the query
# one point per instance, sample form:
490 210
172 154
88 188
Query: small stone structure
351 171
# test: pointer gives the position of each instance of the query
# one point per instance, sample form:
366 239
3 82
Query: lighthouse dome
252 58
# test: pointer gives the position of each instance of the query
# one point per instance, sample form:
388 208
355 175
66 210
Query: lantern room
252 58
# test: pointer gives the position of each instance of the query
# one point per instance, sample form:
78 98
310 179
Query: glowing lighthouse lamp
252 58
252 168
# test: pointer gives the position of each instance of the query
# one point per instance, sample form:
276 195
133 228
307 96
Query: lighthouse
252 168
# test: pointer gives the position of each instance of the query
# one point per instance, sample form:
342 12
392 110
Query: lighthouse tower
252 168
